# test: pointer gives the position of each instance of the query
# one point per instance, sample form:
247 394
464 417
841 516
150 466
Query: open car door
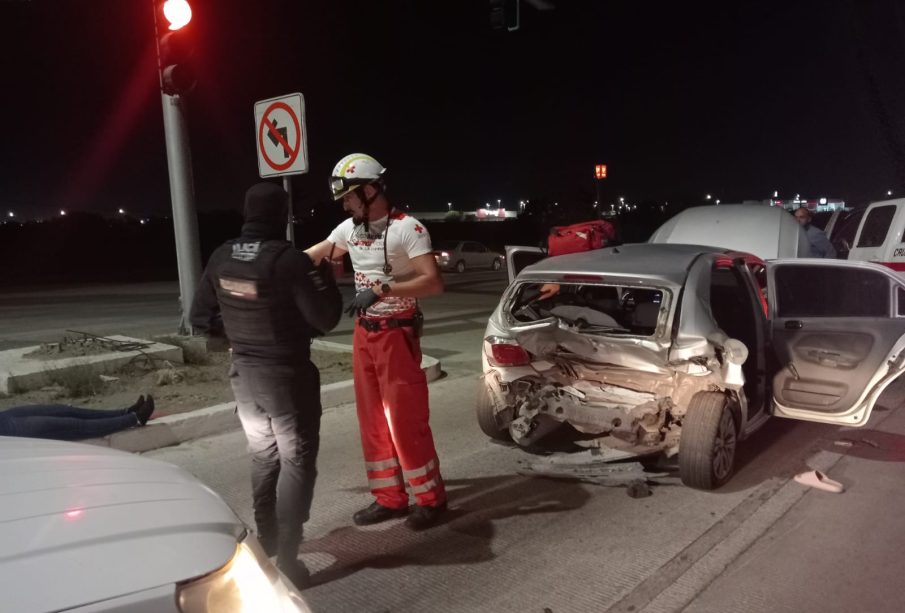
518 258
838 329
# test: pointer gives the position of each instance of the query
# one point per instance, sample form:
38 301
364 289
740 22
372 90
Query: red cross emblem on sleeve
418 229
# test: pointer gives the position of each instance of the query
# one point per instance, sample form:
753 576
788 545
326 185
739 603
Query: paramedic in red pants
394 266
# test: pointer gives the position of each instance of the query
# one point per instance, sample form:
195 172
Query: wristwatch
385 289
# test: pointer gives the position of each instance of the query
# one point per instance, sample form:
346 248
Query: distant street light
10 214
122 211
707 197
776 193
449 206
62 212
497 203
717 200
889 192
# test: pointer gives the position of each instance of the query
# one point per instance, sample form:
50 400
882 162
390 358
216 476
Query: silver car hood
82 524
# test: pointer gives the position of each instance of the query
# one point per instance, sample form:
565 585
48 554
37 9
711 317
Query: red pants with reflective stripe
391 398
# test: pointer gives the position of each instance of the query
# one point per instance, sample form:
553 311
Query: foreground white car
91 529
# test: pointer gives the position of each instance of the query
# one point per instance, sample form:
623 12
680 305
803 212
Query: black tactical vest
256 311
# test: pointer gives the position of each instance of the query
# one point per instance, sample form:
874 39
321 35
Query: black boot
289 564
423 518
296 572
376 513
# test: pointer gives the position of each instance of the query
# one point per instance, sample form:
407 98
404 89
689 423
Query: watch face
385 288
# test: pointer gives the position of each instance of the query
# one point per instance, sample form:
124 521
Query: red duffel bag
579 237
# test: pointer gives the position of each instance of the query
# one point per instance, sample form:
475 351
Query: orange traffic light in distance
600 171
178 13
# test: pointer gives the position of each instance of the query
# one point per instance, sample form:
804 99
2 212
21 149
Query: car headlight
248 582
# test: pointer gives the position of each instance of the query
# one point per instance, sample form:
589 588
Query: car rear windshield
592 309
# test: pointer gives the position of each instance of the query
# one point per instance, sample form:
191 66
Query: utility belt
416 323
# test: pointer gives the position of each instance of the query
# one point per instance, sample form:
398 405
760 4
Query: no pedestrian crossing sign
281 137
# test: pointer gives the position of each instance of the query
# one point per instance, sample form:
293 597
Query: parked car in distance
92 529
647 349
464 255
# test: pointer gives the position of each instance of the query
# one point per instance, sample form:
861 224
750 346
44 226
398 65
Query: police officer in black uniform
272 301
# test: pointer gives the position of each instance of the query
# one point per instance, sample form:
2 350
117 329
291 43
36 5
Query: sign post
281 140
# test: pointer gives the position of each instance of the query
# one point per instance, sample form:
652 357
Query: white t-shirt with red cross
406 238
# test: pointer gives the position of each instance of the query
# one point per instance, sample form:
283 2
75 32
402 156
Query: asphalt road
511 541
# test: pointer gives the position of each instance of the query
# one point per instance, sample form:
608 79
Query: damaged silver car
649 349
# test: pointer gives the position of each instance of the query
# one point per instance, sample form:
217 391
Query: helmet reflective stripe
353 171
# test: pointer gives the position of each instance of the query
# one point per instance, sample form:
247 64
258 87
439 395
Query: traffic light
175 47
504 14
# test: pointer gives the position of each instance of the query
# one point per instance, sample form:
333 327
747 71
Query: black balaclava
266 211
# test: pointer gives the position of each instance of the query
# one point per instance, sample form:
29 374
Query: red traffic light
177 12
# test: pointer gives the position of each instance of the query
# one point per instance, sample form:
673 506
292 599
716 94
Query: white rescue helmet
353 171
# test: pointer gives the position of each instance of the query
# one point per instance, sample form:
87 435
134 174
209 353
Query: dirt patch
176 388
80 346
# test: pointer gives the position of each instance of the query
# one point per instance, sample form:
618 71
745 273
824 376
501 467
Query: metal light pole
182 195
182 192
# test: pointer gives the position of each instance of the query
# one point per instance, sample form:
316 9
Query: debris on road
818 480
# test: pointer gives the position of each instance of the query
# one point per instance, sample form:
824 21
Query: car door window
876 225
827 291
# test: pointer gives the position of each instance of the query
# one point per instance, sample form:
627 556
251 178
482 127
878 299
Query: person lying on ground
68 423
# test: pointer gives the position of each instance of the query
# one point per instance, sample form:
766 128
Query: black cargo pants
280 410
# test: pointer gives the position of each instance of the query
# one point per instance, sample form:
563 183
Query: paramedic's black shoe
376 513
423 518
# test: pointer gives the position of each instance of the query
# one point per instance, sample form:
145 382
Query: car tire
496 264
486 417
460 266
708 443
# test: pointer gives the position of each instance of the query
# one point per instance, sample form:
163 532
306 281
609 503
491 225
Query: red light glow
178 13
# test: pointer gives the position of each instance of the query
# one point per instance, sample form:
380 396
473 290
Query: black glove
361 302
322 275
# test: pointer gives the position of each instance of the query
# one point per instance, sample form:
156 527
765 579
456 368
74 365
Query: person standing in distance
821 247
272 300
394 266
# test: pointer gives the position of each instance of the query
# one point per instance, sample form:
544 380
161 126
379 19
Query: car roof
768 232
665 262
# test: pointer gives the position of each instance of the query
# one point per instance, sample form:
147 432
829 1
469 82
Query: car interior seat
644 317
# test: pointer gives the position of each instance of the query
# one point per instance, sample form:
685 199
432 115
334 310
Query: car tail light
506 352
443 254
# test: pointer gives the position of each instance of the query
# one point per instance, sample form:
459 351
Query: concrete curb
183 427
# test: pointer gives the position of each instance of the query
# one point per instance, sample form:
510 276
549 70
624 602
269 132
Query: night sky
680 99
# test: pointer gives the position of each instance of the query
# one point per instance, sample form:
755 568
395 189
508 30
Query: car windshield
446 245
592 309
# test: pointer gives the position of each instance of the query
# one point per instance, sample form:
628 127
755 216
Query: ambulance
879 235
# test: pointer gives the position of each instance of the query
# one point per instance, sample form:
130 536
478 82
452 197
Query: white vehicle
91 529
880 233
765 231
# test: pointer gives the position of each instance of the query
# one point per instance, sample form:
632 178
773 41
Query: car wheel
709 439
496 264
486 417
460 266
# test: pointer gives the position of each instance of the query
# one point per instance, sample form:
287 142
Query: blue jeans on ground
63 422
280 410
